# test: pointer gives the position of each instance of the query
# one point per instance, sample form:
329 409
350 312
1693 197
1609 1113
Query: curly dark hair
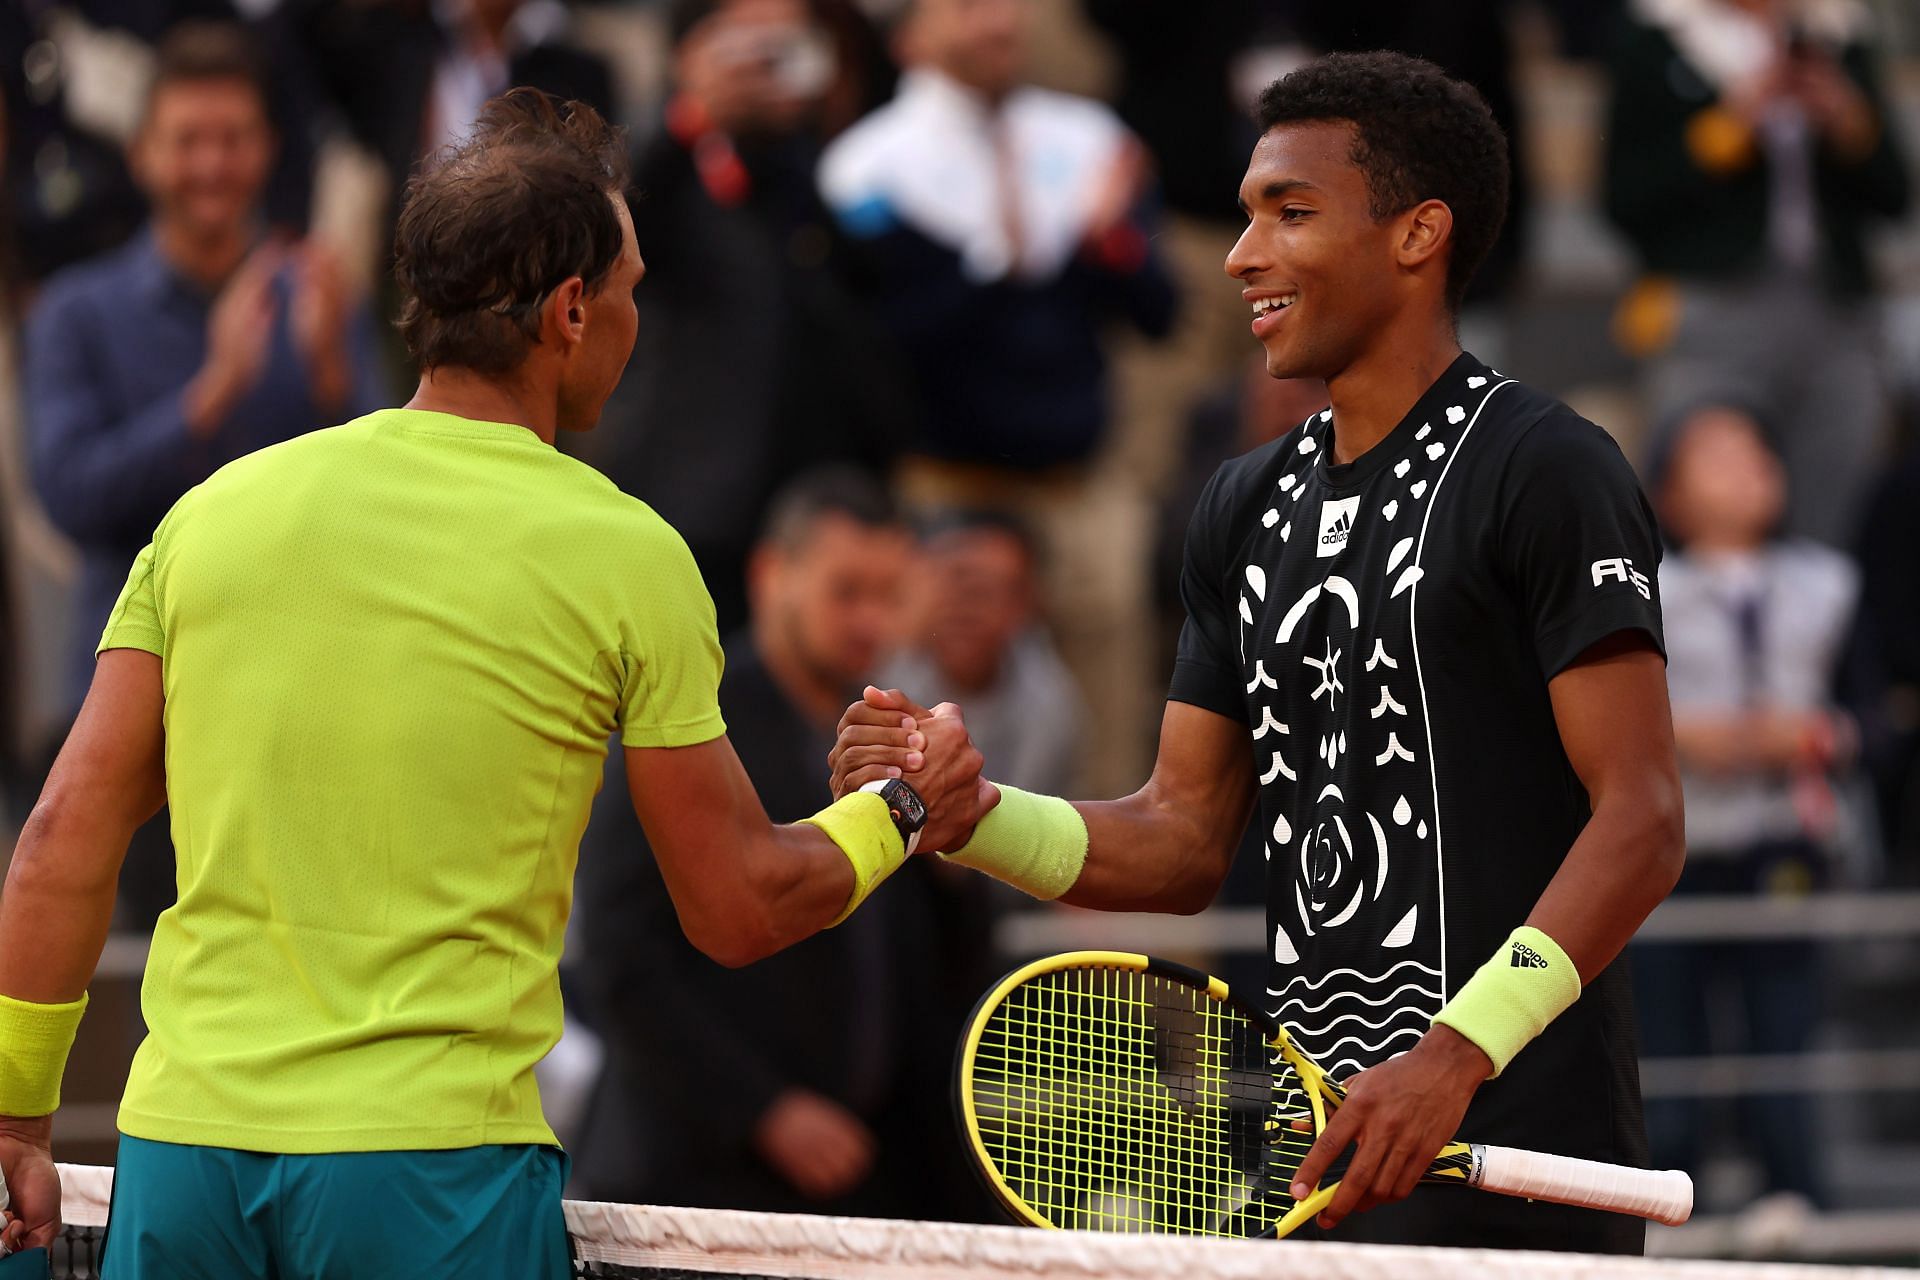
493 224
1418 135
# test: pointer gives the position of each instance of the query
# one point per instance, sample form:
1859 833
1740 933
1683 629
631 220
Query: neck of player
483 398
1377 389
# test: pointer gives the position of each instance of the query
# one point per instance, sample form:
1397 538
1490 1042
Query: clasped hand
888 735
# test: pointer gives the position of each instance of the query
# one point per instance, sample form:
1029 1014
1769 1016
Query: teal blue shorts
213 1213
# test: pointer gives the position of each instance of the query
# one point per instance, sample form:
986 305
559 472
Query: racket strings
1114 1099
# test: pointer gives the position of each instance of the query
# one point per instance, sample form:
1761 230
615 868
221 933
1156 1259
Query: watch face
906 805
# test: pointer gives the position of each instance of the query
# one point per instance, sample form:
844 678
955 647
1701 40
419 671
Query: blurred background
936 351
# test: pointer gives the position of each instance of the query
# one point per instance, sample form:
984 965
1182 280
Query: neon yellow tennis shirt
393 654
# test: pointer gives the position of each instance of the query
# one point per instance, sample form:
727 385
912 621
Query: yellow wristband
34 1042
862 825
1511 999
1037 844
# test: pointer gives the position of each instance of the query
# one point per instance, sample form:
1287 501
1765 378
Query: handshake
887 735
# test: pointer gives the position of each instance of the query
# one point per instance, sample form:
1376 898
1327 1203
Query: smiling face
203 154
1323 276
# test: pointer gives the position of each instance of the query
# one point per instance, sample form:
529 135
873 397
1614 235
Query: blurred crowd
935 351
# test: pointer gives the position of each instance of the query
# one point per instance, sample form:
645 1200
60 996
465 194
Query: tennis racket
1108 1091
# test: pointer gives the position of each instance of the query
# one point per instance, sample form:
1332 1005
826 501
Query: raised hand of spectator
1837 108
817 1145
239 337
317 315
1118 190
734 65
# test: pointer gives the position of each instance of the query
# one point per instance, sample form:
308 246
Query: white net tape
729 1243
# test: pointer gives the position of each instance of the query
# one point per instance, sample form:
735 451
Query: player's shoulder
616 520
1526 428
1242 487
256 472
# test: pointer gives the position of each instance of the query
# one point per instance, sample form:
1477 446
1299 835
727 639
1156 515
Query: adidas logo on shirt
1336 524
1525 957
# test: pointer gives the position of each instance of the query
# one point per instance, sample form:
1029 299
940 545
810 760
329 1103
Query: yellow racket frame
1324 1095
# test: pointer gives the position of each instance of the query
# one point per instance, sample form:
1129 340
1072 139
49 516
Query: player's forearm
804 885
58 901
1150 852
1623 866
765 891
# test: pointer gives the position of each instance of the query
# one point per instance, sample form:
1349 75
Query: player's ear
566 311
1425 228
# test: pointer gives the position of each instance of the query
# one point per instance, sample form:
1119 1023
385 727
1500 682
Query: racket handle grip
1664 1195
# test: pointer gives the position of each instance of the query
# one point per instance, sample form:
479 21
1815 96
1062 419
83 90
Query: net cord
721 1243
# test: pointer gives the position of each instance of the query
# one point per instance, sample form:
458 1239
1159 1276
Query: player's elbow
733 938
1191 898
1663 838
61 853
745 926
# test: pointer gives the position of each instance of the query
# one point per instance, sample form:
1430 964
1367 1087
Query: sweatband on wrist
34 1042
1037 844
862 825
1527 984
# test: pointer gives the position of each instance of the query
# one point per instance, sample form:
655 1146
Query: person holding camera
755 361
1748 152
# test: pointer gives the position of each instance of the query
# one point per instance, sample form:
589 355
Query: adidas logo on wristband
1525 957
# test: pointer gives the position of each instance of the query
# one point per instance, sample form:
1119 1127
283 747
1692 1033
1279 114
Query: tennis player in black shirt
1424 631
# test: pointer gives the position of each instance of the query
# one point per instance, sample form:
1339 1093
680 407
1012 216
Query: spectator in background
411 75
1470 41
978 642
1004 226
755 360
1749 150
1177 93
799 1083
1755 629
150 367
64 186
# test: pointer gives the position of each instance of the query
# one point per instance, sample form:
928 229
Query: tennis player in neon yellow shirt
373 671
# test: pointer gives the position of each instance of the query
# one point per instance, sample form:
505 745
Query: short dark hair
836 490
493 224
1418 135
965 520
199 51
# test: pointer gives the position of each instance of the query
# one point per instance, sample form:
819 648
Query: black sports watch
904 805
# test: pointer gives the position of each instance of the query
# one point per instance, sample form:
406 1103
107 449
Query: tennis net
658 1243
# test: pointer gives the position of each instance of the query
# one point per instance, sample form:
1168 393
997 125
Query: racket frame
1323 1094
1457 1162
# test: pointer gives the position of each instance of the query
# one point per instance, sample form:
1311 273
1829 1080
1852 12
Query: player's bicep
1610 706
1578 541
701 815
113 765
1169 845
671 656
1204 765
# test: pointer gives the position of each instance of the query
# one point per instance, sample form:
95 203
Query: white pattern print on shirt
1355 886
